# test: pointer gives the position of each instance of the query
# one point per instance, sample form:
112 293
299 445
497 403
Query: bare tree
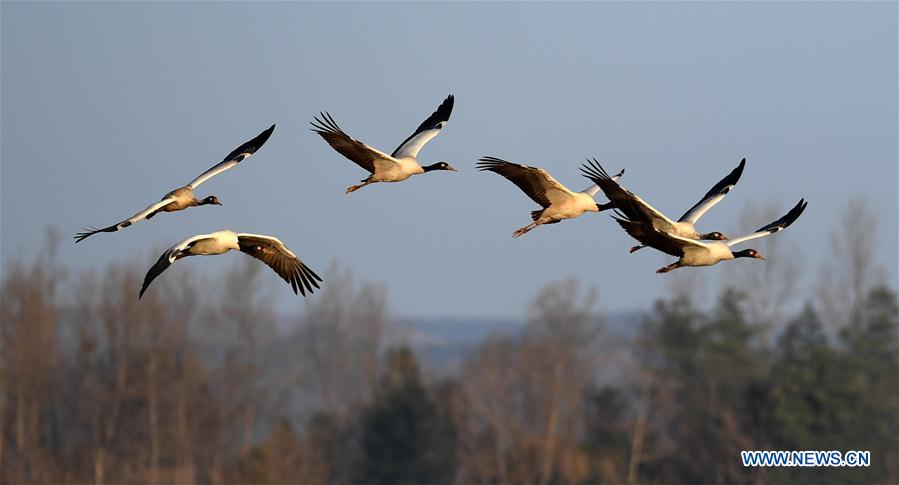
562 333
769 289
246 315
29 348
525 396
342 334
491 429
850 270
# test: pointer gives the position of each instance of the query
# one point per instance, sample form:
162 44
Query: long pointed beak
451 168
759 256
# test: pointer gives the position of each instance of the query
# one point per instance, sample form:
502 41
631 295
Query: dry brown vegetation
99 387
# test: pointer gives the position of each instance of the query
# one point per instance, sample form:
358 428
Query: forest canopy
97 386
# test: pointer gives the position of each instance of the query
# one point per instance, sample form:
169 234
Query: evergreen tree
711 392
839 398
813 397
405 439
608 434
871 346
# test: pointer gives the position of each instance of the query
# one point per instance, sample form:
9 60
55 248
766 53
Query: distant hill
444 342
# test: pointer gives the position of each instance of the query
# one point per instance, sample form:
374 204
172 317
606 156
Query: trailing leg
674 265
522 231
357 187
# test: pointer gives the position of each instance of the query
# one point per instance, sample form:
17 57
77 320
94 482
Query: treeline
98 387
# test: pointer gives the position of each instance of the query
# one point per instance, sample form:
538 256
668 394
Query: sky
108 106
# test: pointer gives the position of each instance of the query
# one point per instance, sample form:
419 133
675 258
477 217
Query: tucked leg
635 248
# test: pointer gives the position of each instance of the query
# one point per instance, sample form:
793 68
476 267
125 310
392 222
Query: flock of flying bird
648 226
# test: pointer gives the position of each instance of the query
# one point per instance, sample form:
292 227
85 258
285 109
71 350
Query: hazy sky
107 106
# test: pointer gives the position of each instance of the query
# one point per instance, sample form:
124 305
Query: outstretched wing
593 189
714 195
778 225
275 254
535 182
649 236
239 154
171 255
428 129
166 260
88 232
363 155
631 205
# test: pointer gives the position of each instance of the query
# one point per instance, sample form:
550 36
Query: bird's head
714 236
439 166
748 253
213 200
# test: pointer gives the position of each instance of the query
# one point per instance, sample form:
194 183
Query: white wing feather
212 172
748 237
414 144
149 210
556 192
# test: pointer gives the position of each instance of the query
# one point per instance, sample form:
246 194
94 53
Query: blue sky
107 106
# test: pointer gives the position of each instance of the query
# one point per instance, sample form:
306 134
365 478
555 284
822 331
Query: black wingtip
788 219
723 186
251 146
488 163
444 110
594 171
795 212
87 232
81 236
324 124
144 286
263 137
738 171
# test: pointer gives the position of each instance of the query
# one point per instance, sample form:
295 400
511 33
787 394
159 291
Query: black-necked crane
636 208
399 165
557 201
692 252
268 249
182 198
